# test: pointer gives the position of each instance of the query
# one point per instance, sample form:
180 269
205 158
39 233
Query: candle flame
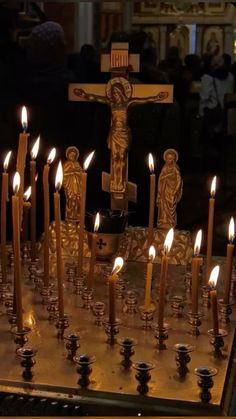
35 149
168 241
51 155
150 162
97 222
214 276
118 264
27 193
16 182
152 253
88 160
231 230
6 161
24 119
213 187
198 242
59 176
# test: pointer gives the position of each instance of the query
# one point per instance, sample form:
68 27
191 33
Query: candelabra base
27 362
62 324
146 315
182 357
72 345
84 368
79 284
33 270
205 381
87 297
99 311
46 293
20 336
112 329
130 306
217 340
143 375
161 335
195 322
127 350
177 305
52 308
225 311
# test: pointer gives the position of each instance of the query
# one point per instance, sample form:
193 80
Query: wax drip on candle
51 156
198 242
35 149
151 163
59 177
231 231
88 161
24 119
27 194
213 187
6 161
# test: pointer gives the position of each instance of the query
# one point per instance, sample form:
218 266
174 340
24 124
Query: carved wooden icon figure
169 191
72 184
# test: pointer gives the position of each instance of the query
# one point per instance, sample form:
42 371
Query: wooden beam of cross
120 94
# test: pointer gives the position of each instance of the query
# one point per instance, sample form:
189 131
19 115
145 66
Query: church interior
120 119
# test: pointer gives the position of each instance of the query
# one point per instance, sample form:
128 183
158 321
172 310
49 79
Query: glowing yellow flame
36 177
198 241
6 161
214 276
150 163
51 155
16 182
59 176
213 186
152 253
97 222
88 160
118 264
231 230
27 193
168 240
24 119
35 149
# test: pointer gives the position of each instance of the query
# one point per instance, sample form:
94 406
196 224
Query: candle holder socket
195 322
46 292
25 253
111 330
72 345
130 306
127 350
188 282
79 284
205 382
87 297
182 357
20 336
27 362
84 368
161 335
217 341
120 287
62 324
225 311
147 315
177 305
33 270
143 375
52 308
99 311
71 272
107 269
206 300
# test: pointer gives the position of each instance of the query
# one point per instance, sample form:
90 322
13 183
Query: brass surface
55 376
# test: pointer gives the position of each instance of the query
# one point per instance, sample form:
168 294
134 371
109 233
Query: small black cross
101 243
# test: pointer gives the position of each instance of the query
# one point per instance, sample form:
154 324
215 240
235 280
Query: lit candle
210 228
118 264
229 262
93 250
16 250
82 212
33 153
57 212
21 155
26 207
4 199
151 199
196 263
213 295
163 274
50 159
148 284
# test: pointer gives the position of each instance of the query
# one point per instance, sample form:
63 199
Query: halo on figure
120 83
72 149
171 151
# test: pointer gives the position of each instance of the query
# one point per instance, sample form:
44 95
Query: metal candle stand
206 301
71 272
120 287
27 361
177 305
217 340
143 375
52 308
127 350
225 311
79 284
20 336
99 311
147 315
205 381
72 344
130 306
161 335
87 297
33 270
84 369
46 293
195 322
111 329
62 324
182 357
25 252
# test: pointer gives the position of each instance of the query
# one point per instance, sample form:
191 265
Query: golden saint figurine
72 184
119 98
169 191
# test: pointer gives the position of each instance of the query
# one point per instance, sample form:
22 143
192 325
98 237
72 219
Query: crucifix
120 95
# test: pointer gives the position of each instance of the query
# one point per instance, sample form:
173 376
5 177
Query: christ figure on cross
118 96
